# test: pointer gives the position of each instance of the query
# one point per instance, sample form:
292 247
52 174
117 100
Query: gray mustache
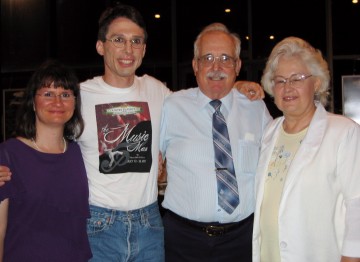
216 75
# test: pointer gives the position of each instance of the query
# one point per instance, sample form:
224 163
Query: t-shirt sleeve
14 186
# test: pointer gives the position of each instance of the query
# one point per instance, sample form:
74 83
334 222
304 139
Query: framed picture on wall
351 97
11 102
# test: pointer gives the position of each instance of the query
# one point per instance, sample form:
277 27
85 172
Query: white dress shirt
187 143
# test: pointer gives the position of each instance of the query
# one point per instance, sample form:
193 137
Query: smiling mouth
217 78
126 61
289 98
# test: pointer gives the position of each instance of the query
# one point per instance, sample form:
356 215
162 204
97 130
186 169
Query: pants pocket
98 222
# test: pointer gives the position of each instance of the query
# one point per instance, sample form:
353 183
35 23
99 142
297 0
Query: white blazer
323 176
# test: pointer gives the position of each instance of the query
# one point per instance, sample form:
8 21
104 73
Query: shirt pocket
248 156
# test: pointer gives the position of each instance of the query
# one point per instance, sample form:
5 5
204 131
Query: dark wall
34 30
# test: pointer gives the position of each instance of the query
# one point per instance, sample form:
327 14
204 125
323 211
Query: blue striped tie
228 195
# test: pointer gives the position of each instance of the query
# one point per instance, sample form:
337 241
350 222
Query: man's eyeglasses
224 60
296 80
120 42
65 96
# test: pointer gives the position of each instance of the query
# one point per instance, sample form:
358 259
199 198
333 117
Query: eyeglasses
224 60
65 96
120 42
296 80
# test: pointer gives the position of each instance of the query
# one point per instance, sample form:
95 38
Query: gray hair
220 28
312 58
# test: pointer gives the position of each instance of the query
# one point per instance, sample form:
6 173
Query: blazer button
283 244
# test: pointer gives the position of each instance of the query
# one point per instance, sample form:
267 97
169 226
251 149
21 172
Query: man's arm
252 90
5 175
350 259
3 224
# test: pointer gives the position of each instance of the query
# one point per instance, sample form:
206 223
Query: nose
216 64
288 84
58 99
128 47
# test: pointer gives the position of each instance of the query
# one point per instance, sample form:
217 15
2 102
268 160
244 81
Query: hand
162 170
349 259
5 175
252 90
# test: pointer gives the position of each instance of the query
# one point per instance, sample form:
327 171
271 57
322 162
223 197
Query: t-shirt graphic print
124 137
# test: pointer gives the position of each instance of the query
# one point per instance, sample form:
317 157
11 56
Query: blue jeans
136 235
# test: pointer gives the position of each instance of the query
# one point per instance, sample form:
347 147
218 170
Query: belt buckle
213 231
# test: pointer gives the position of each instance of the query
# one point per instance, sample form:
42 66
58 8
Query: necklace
37 147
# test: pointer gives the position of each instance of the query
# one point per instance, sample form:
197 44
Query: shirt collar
203 100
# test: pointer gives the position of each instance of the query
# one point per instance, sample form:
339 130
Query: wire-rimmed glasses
295 80
64 96
224 60
120 42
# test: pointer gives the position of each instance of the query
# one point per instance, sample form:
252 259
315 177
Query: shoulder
73 144
254 109
333 121
274 124
74 147
91 81
341 122
150 81
10 144
241 98
152 86
12 148
184 94
91 85
181 101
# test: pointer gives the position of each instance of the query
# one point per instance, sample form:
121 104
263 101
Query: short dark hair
119 10
50 72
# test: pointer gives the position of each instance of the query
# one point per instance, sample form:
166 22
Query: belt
211 229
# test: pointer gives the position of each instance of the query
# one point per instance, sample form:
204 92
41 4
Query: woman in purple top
44 208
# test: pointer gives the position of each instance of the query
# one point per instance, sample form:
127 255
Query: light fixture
227 10
157 16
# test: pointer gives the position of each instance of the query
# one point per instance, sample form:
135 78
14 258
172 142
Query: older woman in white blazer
308 179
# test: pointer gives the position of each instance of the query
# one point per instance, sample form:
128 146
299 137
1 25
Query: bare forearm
349 259
3 224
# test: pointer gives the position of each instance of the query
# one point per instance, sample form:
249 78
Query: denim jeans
136 235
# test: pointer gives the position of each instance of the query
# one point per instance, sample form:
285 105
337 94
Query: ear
195 65
317 85
100 47
144 51
238 66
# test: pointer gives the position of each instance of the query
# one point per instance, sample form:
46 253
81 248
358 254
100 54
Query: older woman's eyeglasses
224 60
65 96
120 42
296 80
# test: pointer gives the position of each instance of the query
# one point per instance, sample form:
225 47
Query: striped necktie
228 195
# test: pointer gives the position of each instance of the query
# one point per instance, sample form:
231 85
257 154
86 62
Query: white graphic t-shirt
120 143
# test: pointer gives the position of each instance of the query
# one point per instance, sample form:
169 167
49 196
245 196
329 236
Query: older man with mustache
210 136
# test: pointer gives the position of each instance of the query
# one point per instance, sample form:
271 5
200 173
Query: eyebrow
123 36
